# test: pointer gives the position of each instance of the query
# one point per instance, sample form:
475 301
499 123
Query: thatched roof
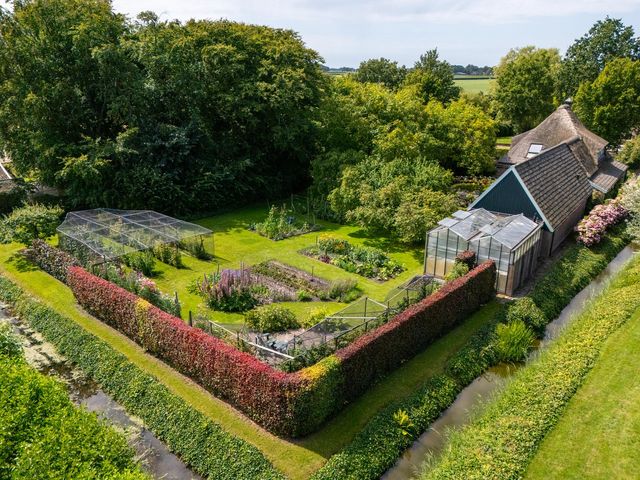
562 126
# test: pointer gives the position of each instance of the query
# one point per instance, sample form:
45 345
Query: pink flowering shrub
592 228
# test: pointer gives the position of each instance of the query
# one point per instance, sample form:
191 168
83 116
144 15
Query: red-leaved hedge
291 404
385 348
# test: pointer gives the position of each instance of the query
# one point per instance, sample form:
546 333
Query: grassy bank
500 442
598 436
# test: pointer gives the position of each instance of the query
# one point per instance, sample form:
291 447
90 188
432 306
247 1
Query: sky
345 32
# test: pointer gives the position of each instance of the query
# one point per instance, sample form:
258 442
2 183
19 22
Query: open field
235 246
598 436
471 84
297 459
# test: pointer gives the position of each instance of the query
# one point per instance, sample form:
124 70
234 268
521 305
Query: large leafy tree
155 114
610 105
382 71
525 85
606 40
432 79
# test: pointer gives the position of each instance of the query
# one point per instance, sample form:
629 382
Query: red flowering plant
592 228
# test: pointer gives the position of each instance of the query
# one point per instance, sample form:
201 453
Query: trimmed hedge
500 442
291 404
385 348
364 459
201 443
52 260
43 435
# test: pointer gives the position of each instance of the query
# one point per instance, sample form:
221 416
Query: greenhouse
512 241
102 235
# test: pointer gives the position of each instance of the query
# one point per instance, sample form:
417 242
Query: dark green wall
508 196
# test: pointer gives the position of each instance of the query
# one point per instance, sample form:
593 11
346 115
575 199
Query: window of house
534 149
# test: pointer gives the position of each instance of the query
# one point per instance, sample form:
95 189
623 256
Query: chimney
568 102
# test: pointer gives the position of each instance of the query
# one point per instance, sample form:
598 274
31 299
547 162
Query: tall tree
382 71
610 105
587 56
432 79
525 86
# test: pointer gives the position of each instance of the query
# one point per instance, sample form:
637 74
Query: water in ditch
432 441
151 452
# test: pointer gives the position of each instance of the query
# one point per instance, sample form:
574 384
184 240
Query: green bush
513 341
459 270
27 223
343 290
271 318
169 254
526 311
630 153
43 436
280 224
143 262
12 195
201 443
303 296
10 346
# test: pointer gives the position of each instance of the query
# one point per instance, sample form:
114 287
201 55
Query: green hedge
43 435
365 459
202 444
500 442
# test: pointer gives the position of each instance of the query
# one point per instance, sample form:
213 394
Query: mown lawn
235 246
300 458
598 436
474 84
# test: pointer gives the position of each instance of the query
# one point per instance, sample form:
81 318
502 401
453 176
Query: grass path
598 436
296 459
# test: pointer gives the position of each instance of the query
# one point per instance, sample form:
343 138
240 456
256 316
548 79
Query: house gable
508 195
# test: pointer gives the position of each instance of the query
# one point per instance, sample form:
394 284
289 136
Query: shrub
169 254
343 288
630 153
303 296
10 345
271 318
195 246
229 291
44 436
143 262
30 222
314 317
199 442
602 217
12 195
526 311
513 341
630 198
458 270
280 224
52 260
467 257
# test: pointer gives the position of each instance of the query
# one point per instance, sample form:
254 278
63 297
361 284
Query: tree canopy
610 105
606 40
525 86
382 71
164 115
432 78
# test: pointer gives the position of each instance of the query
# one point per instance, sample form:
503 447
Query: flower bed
602 217
291 404
50 259
366 261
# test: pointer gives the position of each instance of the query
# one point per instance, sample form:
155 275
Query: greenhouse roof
111 233
509 230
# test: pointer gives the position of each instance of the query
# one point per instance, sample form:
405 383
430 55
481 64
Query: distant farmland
472 84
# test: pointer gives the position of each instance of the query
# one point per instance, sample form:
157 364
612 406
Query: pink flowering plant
592 228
